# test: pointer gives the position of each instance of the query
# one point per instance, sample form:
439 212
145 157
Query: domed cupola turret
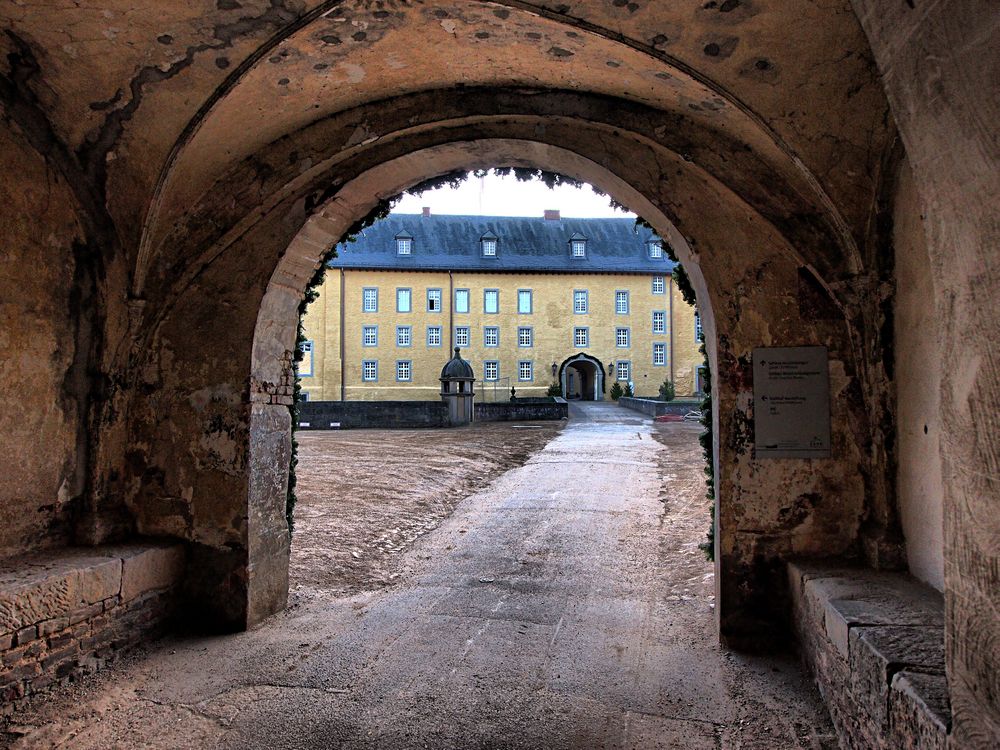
457 378
457 368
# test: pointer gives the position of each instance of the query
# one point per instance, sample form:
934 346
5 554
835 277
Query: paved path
563 607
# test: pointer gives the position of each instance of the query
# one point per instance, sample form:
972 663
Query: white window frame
435 294
489 248
408 366
699 331
365 330
585 296
373 290
623 333
372 365
409 299
655 248
486 296
404 336
628 369
431 329
495 331
660 315
404 246
659 285
525 371
462 334
307 348
495 365
578 248
586 337
622 294
660 348
525 337
531 302
467 295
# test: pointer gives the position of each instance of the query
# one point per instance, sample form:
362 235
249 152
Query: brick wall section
654 408
69 613
280 393
874 642
319 415
523 410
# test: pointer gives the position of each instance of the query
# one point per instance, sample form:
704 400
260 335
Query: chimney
427 211
551 214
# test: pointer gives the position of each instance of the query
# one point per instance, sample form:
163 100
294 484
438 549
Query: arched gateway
582 377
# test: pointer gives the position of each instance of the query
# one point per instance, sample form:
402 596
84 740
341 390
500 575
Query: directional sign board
791 395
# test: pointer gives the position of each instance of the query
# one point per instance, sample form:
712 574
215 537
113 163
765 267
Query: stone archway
743 592
582 377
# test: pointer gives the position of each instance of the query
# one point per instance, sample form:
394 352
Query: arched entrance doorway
582 378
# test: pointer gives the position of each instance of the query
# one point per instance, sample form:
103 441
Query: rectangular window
658 285
581 337
699 334
624 370
524 336
305 365
621 338
491 336
433 335
525 371
700 379
491 370
434 300
369 297
404 300
403 370
659 321
491 301
403 336
621 302
489 247
404 245
579 248
462 336
369 370
369 336
659 354
524 301
461 300
655 250
580 302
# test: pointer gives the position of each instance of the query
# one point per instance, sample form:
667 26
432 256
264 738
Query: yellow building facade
385 333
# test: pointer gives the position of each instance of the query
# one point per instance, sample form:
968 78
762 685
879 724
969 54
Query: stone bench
875 643
69 612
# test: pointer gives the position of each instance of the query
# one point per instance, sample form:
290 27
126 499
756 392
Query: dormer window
404 244
488 245
578 246
655 249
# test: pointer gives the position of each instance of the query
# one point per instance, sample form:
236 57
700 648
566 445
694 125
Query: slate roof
451 243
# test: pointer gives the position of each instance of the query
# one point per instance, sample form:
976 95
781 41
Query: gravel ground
391 488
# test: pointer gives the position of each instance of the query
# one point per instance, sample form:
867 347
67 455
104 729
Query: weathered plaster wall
38 406
918 381
941 70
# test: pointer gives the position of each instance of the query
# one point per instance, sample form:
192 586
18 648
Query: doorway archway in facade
582 378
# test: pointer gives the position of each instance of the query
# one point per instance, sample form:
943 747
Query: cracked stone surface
566 605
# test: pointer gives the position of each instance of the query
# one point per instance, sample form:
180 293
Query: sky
506 196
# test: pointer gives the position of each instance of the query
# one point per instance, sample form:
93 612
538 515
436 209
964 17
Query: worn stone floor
566 605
